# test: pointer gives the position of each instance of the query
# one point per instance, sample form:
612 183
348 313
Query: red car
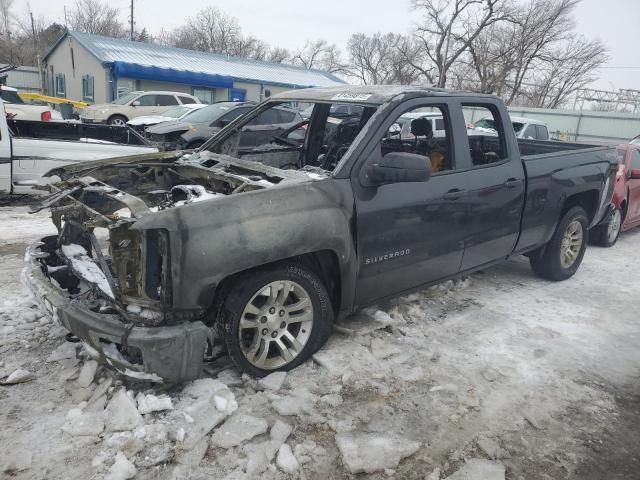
626 198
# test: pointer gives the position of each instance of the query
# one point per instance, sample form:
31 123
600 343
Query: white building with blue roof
96 69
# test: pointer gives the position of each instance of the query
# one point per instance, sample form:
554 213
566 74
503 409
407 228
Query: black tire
116 119
546 262
606 234
247 285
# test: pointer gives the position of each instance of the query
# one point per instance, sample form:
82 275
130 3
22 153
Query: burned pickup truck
161 258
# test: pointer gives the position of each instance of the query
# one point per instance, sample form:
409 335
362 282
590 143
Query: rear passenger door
495 190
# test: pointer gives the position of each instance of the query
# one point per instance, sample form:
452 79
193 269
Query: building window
205 95
87 87
61 85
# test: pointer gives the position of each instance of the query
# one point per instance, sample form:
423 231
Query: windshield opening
10 96
125 99
176 112
286 138
210 113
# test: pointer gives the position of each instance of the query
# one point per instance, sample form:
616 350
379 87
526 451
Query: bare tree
94 16
319 54
570 67
447 29
379 59
278 55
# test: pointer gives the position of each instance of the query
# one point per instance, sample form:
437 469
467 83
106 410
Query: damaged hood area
99 251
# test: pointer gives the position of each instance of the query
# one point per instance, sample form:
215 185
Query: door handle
454 194
512 183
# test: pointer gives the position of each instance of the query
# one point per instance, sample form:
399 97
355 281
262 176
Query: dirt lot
500 373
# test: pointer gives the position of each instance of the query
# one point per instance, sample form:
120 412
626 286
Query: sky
289 23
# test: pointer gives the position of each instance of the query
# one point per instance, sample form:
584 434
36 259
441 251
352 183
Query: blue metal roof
110 50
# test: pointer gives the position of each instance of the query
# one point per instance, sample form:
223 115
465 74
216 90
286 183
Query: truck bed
75 131
534 148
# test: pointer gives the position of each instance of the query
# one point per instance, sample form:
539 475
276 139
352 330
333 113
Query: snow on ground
499 374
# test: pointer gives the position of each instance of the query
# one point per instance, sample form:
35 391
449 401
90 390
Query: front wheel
276 318
560 258
117 121
606 234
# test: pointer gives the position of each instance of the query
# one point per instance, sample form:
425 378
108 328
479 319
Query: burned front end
109 282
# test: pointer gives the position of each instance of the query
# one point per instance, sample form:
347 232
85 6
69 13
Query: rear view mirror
634 174
398 167
135 103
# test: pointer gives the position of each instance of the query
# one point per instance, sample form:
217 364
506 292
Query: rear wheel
560 258
117 121
606 234
276 318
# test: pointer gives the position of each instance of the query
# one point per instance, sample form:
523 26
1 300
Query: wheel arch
118 114
587 199
324 263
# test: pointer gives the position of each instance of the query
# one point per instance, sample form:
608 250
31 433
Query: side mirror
135 103
399 167
222 123
634 174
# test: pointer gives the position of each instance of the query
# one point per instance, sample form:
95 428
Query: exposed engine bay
114 267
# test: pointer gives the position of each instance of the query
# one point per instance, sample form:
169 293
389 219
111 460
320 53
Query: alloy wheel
571 244
276 324
613 229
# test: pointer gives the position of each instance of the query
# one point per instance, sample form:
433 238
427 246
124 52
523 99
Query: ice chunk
151 403
79 422
19 376
272 381
382 349
122 469
301 401
285 460
194 456
479 469
155 455
64 351
87 373
121 413
368 452
238 429
280 431
198 404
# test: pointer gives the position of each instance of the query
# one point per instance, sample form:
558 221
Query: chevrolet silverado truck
163 258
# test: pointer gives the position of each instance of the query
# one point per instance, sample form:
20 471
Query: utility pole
65 18
36 43
131 30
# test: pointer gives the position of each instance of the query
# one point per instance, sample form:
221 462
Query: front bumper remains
167 354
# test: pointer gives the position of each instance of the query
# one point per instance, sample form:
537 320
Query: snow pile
84 266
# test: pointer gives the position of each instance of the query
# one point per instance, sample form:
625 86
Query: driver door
411 233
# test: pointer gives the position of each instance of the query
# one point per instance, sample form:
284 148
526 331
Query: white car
16 108
527 128
176 113
133 105
25 160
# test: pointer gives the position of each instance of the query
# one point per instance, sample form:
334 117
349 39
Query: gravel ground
501 375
